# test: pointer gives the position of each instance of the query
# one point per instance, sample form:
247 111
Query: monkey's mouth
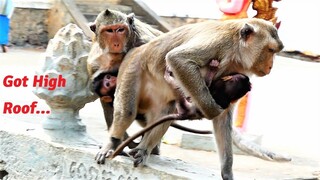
261 73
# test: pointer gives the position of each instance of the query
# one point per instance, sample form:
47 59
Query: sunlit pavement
284 108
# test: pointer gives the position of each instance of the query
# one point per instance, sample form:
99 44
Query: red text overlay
42 81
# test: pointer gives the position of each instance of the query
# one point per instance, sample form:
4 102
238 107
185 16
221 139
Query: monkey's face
263 40
104 84
273 45
112 30
113 38
264 63
109 82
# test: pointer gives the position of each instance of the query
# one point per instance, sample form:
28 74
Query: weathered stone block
32 155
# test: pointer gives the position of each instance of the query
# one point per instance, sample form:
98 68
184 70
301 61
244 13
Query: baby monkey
105 86
183 103
225 90
229 89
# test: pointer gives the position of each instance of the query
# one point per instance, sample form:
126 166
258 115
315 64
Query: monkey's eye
109 30
272 50
108 76
107 84
120 30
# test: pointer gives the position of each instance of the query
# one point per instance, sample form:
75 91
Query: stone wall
34 22
29 26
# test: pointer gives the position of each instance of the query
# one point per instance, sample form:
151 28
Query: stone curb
30 154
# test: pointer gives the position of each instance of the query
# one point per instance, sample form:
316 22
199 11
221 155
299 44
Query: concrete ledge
27 152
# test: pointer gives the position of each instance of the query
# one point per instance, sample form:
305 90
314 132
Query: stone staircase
91 8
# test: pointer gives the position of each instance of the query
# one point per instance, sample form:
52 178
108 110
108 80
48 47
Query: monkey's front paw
227 177
139 155
102 154
107 150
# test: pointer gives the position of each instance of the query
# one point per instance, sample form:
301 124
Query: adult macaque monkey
244 46
115 34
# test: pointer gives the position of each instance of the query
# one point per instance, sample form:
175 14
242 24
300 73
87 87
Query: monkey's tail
256 150
169 117
244 145
183 128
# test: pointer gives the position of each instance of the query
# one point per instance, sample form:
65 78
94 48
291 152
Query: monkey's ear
131 18
106 12
278 24
93 27
246 31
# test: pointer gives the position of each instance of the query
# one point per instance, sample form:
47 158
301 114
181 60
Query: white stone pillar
66 55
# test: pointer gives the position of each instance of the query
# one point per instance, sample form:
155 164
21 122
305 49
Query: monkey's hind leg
222 131
151 139
117 134
148 144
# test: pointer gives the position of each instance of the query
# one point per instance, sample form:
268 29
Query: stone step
90 16
94 8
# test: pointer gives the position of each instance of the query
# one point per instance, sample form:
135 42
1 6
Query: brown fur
244 46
